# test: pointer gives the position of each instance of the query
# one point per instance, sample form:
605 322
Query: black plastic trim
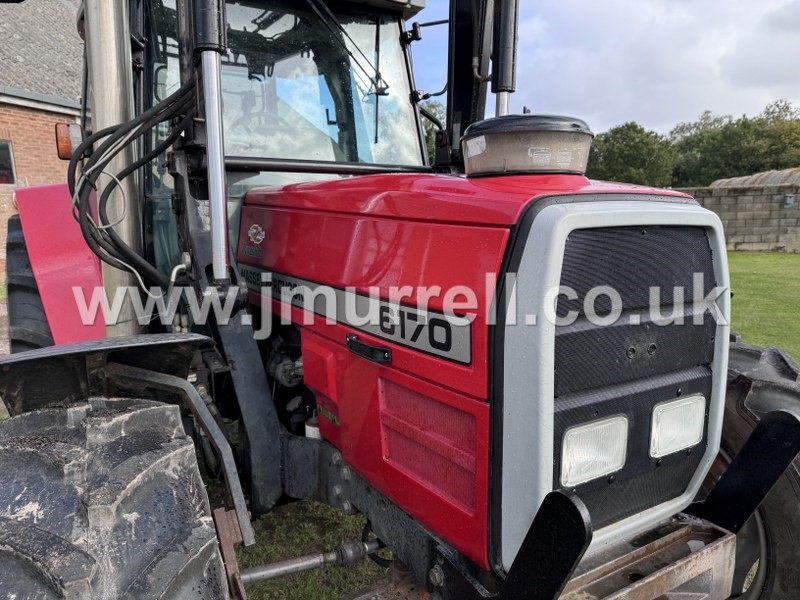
378 354
526 123
768 452
643 480
257 165
558 538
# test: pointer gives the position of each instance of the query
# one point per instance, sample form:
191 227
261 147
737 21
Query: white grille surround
528 382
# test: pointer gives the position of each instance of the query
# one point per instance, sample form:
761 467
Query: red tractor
523 378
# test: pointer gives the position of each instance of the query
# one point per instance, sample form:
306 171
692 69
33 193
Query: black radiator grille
630 366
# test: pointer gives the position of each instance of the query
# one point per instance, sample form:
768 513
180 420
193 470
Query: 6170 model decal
431 332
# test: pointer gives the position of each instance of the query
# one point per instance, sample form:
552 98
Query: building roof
783 177
41 52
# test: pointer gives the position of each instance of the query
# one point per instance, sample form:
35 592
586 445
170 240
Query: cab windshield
309 80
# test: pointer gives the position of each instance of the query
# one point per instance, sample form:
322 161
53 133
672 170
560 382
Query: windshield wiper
331 22
378 72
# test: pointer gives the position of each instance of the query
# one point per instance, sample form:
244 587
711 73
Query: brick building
41 63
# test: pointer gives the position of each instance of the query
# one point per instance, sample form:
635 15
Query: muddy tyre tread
761 380
105 501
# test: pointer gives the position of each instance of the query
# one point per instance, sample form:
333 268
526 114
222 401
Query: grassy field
766 301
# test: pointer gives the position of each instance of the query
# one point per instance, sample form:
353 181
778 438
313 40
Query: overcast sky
657 62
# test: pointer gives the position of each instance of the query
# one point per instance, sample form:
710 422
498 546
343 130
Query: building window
7 173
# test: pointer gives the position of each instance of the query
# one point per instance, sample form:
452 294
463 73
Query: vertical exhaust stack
504 55
108 49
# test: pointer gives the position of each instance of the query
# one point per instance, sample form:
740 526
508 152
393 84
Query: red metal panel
425 447
345 250
61 261
441 198
417 429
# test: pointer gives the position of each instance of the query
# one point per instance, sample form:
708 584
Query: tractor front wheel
761 380
104 500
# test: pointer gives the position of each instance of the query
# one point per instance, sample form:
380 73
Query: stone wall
755 218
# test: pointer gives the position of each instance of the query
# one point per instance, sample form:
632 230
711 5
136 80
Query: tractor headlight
593 450
677 425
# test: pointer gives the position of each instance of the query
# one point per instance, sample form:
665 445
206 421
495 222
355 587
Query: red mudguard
62 262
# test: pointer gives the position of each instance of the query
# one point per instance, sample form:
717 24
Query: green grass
305 528
766 303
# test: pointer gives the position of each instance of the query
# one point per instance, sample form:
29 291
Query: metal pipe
185 49
212 92
345 554
287 567
502 99
108 51
504 58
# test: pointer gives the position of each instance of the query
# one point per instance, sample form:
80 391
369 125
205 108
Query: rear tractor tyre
761 380
104 500
27 322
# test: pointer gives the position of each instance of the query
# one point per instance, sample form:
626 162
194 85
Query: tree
632 154
706 122
781 123
734 148
716 147
780 110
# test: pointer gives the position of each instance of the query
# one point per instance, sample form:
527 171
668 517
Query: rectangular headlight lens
593 450
677 425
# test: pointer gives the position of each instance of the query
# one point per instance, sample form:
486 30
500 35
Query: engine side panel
416 427
359 253
424 446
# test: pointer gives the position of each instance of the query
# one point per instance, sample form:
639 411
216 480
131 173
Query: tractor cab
306 81
311 85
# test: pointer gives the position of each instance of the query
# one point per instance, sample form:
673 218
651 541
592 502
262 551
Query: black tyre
27 322
104 501
761 380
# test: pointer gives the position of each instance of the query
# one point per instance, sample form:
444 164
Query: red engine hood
492 201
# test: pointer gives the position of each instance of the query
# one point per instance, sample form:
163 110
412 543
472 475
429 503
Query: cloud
764 55
657 62
784 20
